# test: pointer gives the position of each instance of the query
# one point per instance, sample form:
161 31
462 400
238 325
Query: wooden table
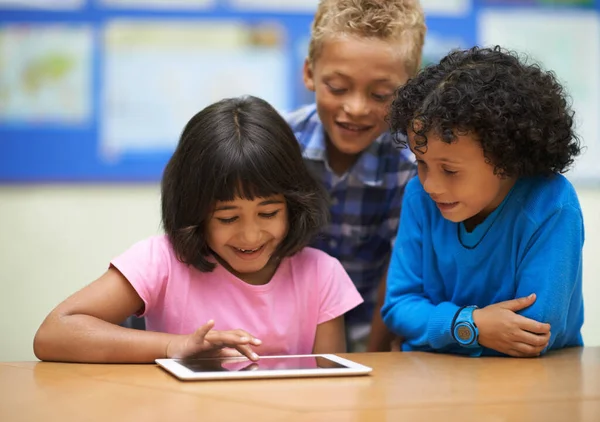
562 386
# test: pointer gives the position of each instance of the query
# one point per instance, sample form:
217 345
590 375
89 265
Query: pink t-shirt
307 289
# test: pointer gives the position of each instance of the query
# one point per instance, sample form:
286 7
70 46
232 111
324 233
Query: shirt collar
316 148
367 167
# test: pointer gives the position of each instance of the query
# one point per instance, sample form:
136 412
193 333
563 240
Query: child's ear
309 81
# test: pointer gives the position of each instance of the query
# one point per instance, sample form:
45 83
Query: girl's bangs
248 179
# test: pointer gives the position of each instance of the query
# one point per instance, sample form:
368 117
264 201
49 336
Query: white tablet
265 367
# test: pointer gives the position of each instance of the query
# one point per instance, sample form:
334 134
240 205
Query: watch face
464 333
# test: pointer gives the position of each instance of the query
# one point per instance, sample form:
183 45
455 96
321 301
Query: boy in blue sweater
488 257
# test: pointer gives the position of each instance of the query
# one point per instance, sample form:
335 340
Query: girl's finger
242 333
228 352
201 332
247 351
226 338
231 338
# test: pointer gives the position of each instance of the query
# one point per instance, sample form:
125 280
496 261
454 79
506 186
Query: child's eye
227 220
381 97
270 214
335 90
450 172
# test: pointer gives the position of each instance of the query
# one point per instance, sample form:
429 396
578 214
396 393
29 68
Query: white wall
56 239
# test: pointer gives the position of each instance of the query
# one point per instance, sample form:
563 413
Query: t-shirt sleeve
146 266
337 292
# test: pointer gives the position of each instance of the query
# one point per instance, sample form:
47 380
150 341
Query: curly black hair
518 112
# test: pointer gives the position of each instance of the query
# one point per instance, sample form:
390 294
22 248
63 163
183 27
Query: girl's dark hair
237 147
517 111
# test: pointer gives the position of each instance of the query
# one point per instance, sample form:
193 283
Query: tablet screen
264 364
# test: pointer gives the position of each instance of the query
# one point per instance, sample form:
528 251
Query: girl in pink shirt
232 275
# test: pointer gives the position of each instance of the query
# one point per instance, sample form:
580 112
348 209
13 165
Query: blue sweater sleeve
552 269
407 310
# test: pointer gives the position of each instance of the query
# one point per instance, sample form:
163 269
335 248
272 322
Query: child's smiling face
244 234
354 79
459 179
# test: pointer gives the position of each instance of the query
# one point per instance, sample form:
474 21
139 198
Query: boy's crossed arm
500 327
520 327
503 330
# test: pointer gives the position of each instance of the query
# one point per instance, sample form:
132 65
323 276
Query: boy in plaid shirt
360 51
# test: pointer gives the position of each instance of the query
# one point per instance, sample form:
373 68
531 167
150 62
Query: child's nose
356 105
251 234
432 185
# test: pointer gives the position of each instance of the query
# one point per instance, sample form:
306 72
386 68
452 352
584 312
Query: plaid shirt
365 205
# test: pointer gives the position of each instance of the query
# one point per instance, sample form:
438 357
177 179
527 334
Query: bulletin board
98 91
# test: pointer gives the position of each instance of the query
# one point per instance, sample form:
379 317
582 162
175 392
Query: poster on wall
42 4
567 43
45 74
434 7
275 5
437 45
159 4
158 74
538 2
449 8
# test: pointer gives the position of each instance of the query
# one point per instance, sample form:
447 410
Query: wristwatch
464 330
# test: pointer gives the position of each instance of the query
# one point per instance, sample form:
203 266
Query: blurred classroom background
94 94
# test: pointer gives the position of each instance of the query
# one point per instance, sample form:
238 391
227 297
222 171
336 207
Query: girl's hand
502 329
208 342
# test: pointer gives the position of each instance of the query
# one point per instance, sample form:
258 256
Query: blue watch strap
463 324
